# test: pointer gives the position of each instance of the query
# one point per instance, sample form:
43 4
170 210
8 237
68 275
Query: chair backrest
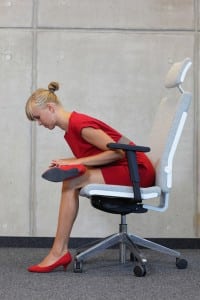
168 125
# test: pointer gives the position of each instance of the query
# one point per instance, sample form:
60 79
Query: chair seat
118 191
117 199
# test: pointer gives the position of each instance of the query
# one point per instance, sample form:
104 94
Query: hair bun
53 86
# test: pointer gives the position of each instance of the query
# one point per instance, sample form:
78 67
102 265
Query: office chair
123 200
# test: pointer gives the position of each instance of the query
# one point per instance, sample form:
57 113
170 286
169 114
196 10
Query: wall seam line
32 191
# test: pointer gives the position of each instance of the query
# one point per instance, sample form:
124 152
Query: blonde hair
41 97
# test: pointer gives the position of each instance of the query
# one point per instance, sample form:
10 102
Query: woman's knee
91 176
75 183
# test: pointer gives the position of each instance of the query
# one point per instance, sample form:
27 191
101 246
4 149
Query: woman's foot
52 262
51 258
63 172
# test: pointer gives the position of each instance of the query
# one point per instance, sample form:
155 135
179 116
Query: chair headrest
176 74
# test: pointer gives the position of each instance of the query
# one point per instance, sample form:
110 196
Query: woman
87 138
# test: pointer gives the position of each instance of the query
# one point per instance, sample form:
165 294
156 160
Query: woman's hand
64 161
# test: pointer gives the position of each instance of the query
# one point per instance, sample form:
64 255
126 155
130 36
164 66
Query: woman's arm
99 139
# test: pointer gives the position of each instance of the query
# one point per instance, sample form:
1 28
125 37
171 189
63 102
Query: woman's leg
68 210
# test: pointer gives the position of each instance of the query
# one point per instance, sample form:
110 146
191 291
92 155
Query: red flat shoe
63 261
63 172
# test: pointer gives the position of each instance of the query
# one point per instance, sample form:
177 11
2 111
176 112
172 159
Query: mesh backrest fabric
164 136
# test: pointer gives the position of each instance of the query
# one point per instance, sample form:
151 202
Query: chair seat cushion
118 191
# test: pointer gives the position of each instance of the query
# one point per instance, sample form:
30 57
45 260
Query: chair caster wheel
181 263
78 266
139 271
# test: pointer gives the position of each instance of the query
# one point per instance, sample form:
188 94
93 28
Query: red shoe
63 261
63 172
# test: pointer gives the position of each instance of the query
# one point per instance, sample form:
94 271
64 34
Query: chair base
125 240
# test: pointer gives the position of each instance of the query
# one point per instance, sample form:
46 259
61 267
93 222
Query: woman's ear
51 107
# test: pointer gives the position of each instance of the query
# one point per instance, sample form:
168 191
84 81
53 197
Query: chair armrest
132 164
126 147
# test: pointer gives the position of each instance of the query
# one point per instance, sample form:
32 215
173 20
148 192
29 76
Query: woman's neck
63 119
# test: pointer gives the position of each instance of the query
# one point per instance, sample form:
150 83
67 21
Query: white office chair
164 138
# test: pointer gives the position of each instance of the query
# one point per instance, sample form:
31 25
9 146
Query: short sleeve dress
116 173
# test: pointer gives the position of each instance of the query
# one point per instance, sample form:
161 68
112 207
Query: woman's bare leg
68 210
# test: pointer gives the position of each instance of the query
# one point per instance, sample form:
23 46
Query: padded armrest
133 166
128 147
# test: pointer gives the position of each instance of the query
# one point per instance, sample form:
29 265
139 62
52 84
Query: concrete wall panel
16 13
15 79
104 73
151 14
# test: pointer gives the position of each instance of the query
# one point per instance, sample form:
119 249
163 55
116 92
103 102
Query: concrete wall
110 57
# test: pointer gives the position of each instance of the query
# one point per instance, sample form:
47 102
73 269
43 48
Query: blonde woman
87 137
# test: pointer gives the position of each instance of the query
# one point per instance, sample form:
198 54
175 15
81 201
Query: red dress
116 173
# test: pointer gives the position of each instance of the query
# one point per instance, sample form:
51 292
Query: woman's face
45 116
